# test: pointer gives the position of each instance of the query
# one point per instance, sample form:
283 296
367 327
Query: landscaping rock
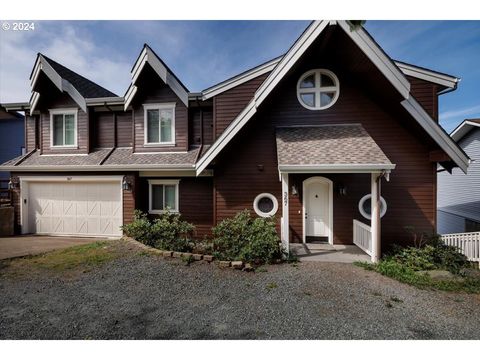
471 273
438 274
224 264
167 253
208 258
237 264
248 267
197 257
177 254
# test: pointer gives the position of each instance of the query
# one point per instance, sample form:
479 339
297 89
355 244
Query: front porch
328 253
331 192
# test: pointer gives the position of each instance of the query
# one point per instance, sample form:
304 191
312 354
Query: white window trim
317 89
160 106
163 182
261 213
383 207
64 112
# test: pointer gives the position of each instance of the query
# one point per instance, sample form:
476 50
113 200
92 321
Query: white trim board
461 130
335 168
375 54
148 56
428 75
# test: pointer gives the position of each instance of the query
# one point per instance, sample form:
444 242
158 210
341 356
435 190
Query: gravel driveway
146 297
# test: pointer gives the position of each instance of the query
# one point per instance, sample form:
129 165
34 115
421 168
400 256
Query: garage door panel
76 208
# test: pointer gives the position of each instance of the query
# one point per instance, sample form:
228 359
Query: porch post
285 221
375 221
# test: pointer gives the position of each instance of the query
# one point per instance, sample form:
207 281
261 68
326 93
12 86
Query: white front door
75 208
317 208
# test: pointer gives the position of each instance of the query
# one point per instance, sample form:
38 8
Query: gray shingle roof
87 88
106 158
330 144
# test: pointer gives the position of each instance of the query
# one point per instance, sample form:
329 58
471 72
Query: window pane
170 197
69 129
166 125
57 129
308 99
326 98
326 80
152 124
265 205
308 82
157 197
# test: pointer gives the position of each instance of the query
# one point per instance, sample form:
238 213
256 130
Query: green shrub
167 232
248 239
140 229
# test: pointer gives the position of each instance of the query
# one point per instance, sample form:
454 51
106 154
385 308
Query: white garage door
75 208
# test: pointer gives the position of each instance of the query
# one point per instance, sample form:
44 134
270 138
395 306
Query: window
159 124
163 195
63 128
265 205
365 206
318 89
471 225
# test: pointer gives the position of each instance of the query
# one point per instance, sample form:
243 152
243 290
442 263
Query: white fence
362 236
467 243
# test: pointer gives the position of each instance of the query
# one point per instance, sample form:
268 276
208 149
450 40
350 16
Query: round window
265 205
365 206
318 89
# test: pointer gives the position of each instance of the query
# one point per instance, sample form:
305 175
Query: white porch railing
467 243
362 236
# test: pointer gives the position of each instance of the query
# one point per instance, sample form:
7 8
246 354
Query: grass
79 258
406 275
272 286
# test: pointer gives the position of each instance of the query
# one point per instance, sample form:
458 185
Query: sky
203 53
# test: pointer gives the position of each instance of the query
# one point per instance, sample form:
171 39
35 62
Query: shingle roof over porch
335 147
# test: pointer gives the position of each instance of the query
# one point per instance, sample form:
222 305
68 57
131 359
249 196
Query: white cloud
467 111
64 44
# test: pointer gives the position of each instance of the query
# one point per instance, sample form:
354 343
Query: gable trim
240 79
445 80
437 133
63 85
148 56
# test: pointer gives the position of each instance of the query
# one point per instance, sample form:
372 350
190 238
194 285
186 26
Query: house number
285 198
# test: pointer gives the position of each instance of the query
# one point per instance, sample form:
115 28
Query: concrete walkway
329 253
16 246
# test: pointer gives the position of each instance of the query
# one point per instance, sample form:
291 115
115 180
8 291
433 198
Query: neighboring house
306 137
12 139
459 193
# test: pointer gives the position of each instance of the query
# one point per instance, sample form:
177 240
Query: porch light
294 190
12 184
126 184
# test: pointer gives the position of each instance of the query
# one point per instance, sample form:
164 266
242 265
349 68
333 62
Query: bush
167 232
435 256
248 239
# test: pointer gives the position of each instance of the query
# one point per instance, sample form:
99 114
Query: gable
148 57
375 55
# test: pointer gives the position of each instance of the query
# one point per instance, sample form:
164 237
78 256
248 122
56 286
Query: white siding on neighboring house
459 194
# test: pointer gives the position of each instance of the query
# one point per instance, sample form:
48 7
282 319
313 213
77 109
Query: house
459 193
309 137
12 140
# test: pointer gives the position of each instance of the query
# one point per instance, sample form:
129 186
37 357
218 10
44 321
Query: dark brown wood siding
248 165
124 129
230 103
196 132
195 202
103 130
30 133
426 94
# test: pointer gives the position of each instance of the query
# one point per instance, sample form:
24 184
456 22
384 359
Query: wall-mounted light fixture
342 189
294 190
13 183
126 184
